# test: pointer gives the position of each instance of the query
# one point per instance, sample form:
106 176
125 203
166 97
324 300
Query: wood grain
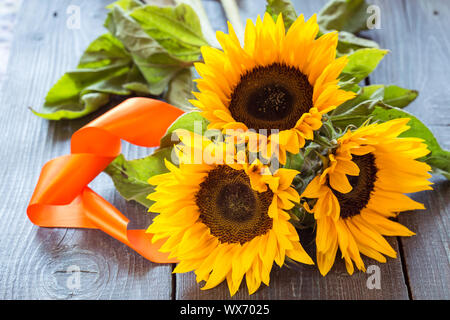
34 261
416 33
427 254
8 15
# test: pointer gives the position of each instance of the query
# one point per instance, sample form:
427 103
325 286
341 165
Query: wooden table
35 263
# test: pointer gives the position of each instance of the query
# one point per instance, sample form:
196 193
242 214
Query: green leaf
100 71
136 82
285 7
438 158
126 5
361 63
72 110
130 60
180 90
368 97
399 97
371 104
349 43
192 121
154 62
130 176
177 29
344 15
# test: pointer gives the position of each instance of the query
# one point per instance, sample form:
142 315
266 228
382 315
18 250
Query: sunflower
278 82
361 188
224 221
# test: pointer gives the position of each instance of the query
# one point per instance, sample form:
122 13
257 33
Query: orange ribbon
63 199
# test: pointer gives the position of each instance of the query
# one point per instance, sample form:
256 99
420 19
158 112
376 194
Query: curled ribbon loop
63 199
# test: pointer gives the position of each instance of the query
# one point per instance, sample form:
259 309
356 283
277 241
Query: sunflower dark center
353 202
236 202
232 210
271 97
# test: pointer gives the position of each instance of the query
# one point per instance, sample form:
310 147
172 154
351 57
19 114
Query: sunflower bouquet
279 136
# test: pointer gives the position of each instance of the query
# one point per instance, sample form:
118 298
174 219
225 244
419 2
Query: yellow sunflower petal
267 46
356 216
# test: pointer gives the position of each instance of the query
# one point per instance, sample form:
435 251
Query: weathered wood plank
427 254
8 17
34 262
416 32
305 282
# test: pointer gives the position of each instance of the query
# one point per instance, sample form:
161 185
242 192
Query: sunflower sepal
392 95
301 218
362 186
325 141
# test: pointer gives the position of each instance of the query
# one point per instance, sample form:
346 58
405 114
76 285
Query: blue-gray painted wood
35 263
